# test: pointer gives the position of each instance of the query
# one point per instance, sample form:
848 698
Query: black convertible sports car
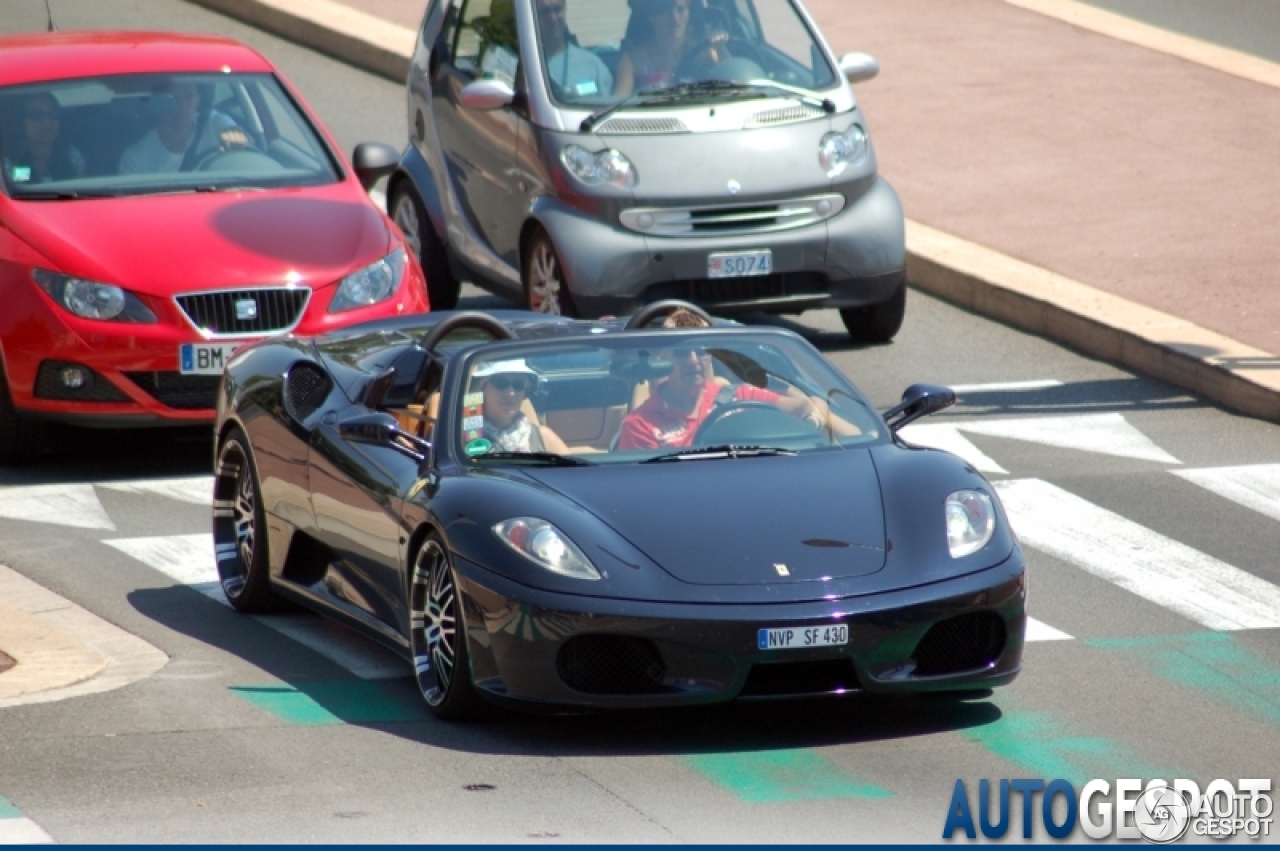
548 512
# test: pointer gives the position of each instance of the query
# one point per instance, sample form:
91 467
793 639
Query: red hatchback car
167 199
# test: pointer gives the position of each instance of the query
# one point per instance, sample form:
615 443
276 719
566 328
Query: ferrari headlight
607 166
374 283
546 545
836 151
91 300
971 520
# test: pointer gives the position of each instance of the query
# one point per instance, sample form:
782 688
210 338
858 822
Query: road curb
978 279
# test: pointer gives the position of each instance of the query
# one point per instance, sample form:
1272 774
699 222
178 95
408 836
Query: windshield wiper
539 457
51 196
670 94
728 450
812 98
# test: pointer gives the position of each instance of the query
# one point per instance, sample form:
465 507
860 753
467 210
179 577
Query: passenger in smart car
660 39
503 389
575 71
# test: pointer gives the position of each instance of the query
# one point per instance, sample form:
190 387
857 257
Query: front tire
410 215
20 440
437 635
240 530
877 323
542 274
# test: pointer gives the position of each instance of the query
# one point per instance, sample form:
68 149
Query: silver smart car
590 156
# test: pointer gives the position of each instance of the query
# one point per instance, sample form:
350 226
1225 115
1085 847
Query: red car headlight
92 300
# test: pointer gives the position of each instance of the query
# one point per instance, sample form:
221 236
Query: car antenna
49 12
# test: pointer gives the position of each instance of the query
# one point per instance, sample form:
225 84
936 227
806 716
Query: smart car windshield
595 52
150 133
678 396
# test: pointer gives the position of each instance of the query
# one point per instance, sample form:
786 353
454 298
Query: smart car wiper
806 96
728 450
538 457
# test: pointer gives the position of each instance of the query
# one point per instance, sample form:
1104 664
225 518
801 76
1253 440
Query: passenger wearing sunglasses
506 385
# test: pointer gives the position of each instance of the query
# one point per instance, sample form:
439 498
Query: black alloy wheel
542 274
437 636
240 530
410 215
20 439
877 323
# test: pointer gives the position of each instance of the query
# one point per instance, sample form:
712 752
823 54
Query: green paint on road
8 810
1037 742
341 702
1211 662
770 777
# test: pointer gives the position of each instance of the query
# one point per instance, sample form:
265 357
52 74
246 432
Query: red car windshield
149 133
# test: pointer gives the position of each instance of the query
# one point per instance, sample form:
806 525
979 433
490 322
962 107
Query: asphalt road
249 734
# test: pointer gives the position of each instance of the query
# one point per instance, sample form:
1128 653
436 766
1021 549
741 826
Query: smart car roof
40 57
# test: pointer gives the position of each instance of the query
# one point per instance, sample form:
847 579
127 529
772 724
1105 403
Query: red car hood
163 244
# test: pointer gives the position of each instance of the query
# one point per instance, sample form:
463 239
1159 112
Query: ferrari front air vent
732 219
968 642
642 125
611 664
237 313
306 386
784 115
791 679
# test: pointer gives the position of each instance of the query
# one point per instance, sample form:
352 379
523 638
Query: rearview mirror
919 400
859 67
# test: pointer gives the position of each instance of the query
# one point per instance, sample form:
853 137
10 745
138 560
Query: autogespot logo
1156 811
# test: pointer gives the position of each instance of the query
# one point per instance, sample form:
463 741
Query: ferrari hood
741 521
162 244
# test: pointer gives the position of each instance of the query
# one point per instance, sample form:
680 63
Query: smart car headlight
374 283
971 520
837 151
91 300
545 545
596 169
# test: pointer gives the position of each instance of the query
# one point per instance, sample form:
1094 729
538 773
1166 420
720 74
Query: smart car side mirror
487 95
919 400
373 161
859 67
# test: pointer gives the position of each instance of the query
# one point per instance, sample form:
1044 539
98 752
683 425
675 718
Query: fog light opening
74 377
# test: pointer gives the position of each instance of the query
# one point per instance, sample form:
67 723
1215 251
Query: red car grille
239 312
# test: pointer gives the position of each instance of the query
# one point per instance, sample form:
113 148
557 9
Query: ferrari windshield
149 133
594 53
679 396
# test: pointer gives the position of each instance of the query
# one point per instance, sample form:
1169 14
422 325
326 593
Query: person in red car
182 134
41 152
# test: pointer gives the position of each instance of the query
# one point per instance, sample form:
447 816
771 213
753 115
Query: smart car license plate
782 638
205 358
740 264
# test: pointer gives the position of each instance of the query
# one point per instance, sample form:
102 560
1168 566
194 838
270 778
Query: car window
148 133
618 399
486 43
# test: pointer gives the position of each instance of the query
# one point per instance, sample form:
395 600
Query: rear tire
877 323
542 274
438 635
21 441
240 530
410 215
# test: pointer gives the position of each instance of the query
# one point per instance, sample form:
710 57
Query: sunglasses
518 383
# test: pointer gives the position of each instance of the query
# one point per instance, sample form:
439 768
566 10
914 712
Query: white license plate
740 264
205 358
782 638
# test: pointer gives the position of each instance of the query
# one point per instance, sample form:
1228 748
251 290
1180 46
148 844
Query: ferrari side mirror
919 400
382 429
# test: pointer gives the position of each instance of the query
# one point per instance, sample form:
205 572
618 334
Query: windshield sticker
478 447
21 173
473 418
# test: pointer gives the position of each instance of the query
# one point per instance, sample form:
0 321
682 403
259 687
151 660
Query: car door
479 146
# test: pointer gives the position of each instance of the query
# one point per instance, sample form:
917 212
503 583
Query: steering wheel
657 309
242 160
698 61
775 423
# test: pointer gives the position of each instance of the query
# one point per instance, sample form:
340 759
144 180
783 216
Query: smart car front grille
183 392
786 679
611 664
967 642
732 219
236 313
642 125
725 290
784 115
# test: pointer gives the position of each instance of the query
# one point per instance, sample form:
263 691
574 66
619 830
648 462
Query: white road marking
189 560
1041 631
380 198
194 489
1108 434
948 437
66 505
1255 486
1193 584
1006 386
22 831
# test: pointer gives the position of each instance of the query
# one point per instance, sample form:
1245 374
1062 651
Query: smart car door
478 146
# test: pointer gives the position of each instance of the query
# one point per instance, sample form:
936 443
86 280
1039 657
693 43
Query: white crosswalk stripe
1256 486
194 489
22 831
66 505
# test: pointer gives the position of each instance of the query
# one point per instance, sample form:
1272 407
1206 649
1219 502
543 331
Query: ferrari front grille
611 664
969 642
789 679
732 219
236 313
184 392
